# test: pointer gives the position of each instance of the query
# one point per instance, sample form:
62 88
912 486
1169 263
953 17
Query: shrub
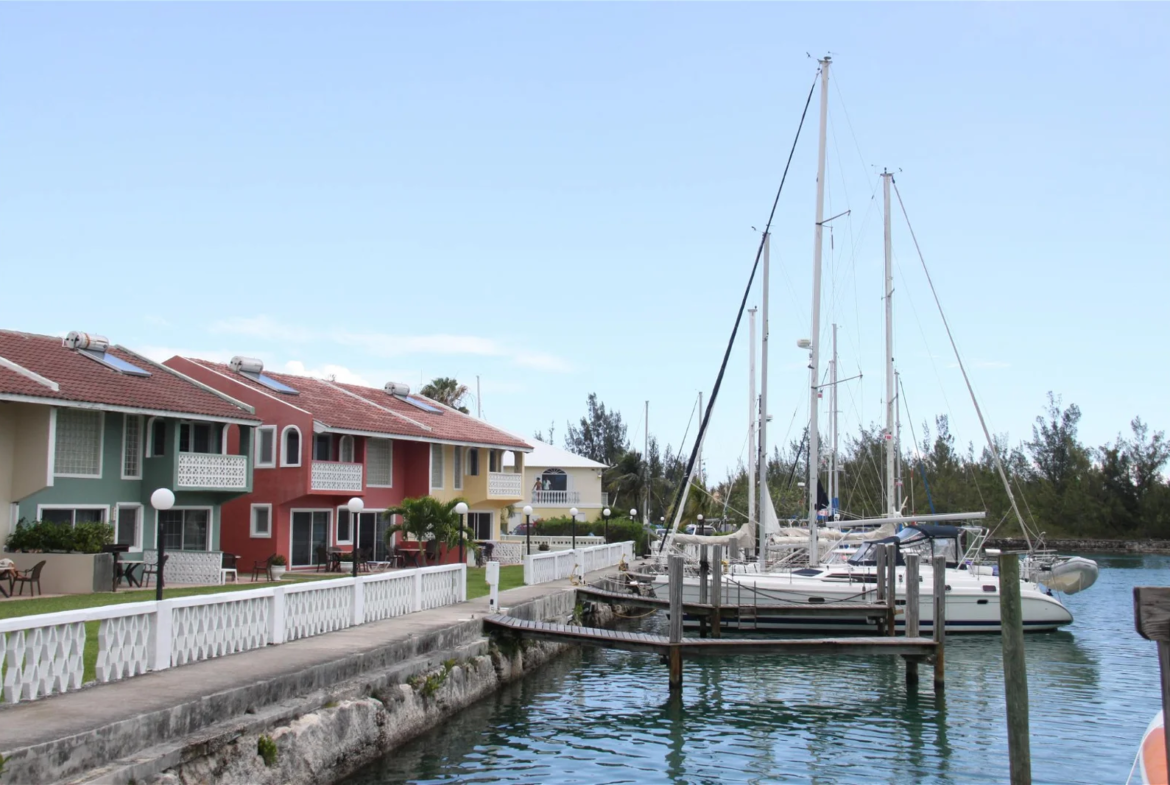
266 749
542 547
620 530
92 537
47 536
279 561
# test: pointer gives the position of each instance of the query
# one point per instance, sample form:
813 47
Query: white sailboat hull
972 601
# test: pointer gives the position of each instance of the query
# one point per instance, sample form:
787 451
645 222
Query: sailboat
972 587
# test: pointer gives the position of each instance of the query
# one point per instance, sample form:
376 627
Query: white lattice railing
211 470
556 565
505 485
45 654
189 566
556 498
553 543
508 552
334 476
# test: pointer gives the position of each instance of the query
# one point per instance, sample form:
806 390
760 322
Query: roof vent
246 365
397 388
78 340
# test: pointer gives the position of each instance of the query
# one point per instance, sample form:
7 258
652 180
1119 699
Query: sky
558 199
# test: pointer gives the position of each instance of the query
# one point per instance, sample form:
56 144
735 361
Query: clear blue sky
559 198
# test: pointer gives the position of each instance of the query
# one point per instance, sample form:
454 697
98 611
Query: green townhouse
88 431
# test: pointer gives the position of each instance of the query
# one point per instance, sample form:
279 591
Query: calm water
607 717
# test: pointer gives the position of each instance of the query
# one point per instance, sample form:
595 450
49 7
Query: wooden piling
716 590
676 621
939 566
1015 673
704 572
880 577
912 611
891 588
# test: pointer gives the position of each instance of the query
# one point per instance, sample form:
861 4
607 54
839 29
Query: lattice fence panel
388 598
124 647
202 632
317 611
43 660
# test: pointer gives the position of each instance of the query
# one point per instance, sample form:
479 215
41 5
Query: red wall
287 488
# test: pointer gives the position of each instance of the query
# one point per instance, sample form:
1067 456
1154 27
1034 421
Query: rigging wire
991 444
682 490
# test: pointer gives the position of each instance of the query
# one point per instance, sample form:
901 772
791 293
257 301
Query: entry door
372 534
310 530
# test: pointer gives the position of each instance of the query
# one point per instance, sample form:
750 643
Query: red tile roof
81 379
358 408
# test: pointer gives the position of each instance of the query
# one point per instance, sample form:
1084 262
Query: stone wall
336 730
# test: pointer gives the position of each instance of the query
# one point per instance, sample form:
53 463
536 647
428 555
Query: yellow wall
475 489
24 454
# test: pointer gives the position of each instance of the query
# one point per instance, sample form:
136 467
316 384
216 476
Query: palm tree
427 520
448 392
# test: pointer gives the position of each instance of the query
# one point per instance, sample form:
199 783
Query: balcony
211 471
555 498
505 485
336 477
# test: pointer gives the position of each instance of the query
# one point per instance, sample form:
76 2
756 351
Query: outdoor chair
263 567
31 577
152 569
324 563
229 566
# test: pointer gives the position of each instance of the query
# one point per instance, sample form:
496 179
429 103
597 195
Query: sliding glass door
310 532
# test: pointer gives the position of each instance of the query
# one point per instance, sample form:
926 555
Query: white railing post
359 601
528 569
463 583
276 617
416 604
162 635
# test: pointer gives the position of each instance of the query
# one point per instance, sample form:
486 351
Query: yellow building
488 478
557 480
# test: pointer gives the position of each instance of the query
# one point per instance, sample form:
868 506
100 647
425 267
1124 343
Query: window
129 517
480 524
291 455
493 460
79 443
132 448
436 466
344 534
379 463
261 520
345 449
266 447
323 447
72 515
473 462
185 530
457 468
158 438
309 537
198 437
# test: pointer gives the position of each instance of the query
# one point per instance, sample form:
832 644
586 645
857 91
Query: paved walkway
61 716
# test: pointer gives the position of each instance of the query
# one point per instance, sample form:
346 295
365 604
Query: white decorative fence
209 470
335 476
553 543
505 485
189 566
556 565
44 654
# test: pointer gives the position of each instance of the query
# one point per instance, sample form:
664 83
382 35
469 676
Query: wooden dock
693 647
674 647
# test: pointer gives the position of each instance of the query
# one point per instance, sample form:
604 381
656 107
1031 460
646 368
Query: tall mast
699 464
814 366
898 439
833 482
891 448
646 463
762 455
751 472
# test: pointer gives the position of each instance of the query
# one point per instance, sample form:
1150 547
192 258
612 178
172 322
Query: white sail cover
770 524
744 536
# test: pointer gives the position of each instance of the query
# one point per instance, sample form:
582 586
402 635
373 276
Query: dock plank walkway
693 647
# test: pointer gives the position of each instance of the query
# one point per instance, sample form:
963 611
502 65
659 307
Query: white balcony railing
556 498
335 476
505 485
211 470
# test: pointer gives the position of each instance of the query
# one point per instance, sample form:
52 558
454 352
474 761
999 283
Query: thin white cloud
495 386
392 345
335 373
156 320
161 353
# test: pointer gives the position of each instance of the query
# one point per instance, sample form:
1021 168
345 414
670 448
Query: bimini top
927 540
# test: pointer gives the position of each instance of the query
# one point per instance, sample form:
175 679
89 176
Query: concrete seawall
328 704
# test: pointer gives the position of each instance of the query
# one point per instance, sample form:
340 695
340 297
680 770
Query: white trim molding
258 441
284 446
252 522
29 374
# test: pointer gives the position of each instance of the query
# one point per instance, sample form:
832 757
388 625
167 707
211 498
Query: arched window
290 453
554 480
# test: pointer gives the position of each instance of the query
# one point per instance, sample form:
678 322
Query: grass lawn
511 577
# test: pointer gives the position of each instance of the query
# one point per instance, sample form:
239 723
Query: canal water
607 717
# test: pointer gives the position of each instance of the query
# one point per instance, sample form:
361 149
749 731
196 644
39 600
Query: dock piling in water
939 567
716 590
676 621
1015 673
880 588
704 572
891 588
912 612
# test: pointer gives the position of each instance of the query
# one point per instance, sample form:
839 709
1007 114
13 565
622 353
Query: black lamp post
461 508
527 529
161 500
355 505
573 513
605 515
